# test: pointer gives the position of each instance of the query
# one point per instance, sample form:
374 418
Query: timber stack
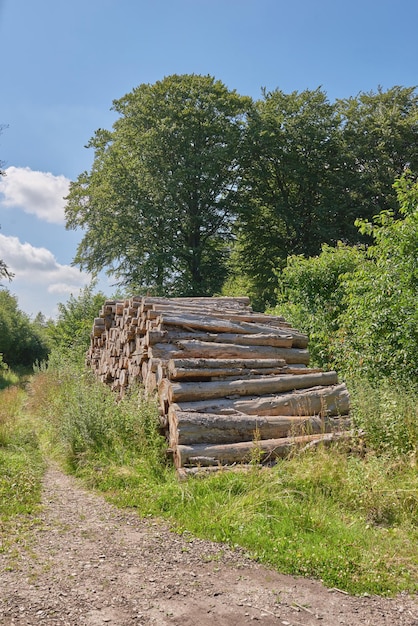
232 384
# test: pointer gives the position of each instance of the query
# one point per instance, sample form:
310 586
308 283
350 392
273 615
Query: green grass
355 537
347 516
21 468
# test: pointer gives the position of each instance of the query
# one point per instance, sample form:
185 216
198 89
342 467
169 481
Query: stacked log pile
232 384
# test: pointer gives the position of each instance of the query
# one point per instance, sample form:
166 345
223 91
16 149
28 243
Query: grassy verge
346 516
21 468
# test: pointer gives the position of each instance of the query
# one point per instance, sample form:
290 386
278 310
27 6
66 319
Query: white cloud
39 265
38 193
39 279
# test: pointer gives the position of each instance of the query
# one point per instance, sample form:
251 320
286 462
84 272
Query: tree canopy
358 304
22 341
158 202
195 183
291 185
313 168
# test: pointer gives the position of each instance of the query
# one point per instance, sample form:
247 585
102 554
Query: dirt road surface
91 564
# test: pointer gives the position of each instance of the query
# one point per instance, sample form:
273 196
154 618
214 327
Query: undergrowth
345 515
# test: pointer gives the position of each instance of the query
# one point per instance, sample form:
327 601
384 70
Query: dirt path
92 564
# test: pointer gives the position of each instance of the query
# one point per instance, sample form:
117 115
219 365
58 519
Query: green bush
22 341
311 295
379 326
359 306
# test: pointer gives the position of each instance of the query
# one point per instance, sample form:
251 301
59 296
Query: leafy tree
358 305
158 202
379 326
72 329
312 293
21 341
380 135
4 271
312 169
291 184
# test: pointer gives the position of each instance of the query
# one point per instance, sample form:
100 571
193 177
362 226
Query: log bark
190 348
256 339
201 363
211 375
218 325
206 369
332 400
187 428
242 452
189 392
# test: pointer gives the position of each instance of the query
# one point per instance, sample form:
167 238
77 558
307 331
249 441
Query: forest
310 208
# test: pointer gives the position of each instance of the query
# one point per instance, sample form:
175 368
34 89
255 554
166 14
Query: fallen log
218 325
210 375
202 363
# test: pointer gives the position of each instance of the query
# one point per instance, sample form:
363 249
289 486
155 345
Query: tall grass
84 421
346 515
21 467
388 413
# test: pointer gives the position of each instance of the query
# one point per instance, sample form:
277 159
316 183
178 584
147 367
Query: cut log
333 400
261 385
188 428
190 348
218 325
198 363
202 454
213 301
210 375
256 339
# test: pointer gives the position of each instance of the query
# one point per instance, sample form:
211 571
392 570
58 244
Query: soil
89 563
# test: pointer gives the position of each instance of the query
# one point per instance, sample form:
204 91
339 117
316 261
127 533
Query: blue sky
63 63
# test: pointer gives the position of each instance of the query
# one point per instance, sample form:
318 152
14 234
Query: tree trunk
218 325
256 339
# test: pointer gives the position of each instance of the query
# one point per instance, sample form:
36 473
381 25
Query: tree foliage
312 293
71 331
22 342
379 326
380 132
4 271
359 305
313 168
158 202
290 181
198 189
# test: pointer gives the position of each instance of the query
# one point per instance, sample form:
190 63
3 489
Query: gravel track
88 563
